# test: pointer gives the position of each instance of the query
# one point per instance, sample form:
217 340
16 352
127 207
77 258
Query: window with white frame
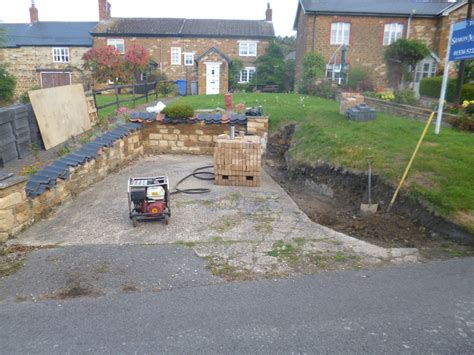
175 56
246 75
340 32
392 32
117 43
247 49
333 72
425 69
188 59
60 55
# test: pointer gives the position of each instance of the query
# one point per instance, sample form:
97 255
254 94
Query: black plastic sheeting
47 177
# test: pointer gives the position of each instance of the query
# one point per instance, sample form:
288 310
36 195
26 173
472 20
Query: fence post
133 93
117 103
156 90
95 99
146 94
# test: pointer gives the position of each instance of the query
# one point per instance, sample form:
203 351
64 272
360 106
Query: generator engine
149 200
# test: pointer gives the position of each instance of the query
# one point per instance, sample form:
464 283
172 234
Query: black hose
198 174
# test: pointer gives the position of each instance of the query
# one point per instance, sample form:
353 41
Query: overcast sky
284 11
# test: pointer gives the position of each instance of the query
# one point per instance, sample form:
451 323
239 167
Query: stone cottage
367 27
45 54
195 50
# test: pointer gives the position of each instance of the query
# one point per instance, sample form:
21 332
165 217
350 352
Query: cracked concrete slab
239 227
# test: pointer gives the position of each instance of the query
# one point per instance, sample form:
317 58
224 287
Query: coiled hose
198 174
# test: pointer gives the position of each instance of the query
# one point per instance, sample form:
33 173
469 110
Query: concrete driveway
239 230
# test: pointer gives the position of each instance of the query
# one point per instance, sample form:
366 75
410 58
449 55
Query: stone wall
196 138
15 208
25 62
18 212
419 113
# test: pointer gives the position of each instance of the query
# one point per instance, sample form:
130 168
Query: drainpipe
409 23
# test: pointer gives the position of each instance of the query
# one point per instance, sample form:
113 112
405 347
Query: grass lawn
442 174
106 99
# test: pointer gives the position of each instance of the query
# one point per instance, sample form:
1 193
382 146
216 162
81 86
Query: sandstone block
170 137
183 137
155 136
205 138
154 143
23 213
163 144
3 237
199 132
10 200
193 137
176 131
7 221
164 130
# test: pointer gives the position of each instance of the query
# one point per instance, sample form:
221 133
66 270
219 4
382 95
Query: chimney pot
34 17
269 13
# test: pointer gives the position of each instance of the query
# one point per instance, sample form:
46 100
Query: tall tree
271 67
314 68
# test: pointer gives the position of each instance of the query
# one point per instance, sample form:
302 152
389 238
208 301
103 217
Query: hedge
432 87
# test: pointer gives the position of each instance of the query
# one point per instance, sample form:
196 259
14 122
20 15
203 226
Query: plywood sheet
62 113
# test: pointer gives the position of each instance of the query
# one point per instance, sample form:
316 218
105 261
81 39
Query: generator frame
146 182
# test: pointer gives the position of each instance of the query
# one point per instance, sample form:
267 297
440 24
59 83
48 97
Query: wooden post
133 93
95 99
117 103
411 162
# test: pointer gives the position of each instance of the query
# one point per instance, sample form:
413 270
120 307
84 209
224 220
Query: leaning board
61 112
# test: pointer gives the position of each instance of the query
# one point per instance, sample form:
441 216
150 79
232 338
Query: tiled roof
388 7
49 34
179 27
47 177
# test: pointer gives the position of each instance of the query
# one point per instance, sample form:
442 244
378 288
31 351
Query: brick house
45 54
367 27
196 50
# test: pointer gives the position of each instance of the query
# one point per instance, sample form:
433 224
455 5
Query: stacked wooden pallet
237 162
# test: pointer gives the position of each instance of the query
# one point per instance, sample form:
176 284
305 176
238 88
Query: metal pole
370 180
445 83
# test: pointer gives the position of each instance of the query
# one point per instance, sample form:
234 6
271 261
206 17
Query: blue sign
462 41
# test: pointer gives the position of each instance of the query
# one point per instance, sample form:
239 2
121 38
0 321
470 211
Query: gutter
365 14
110 34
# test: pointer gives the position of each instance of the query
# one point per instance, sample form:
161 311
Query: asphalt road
413 309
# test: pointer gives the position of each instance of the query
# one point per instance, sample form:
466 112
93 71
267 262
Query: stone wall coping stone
12 181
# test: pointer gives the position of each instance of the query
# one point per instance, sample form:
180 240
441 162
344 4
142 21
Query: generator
149 199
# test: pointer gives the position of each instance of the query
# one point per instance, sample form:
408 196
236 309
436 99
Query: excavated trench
332 197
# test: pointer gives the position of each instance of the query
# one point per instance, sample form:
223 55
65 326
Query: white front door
213 78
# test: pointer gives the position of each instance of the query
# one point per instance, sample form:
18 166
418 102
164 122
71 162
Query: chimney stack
268 13
104 10
33 13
